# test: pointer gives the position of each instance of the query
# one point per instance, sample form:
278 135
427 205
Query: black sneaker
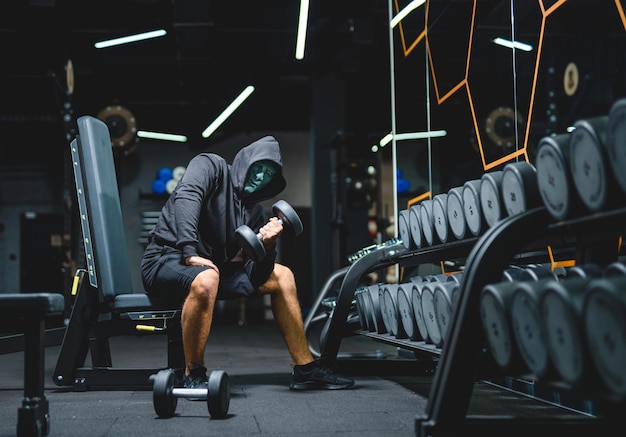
317 376
197 378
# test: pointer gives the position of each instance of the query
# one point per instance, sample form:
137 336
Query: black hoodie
208 204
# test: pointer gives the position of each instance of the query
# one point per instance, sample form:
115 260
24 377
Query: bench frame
105 305
28 313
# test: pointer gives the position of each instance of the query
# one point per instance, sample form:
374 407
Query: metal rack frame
463 358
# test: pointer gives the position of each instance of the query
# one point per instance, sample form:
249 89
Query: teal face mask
259 175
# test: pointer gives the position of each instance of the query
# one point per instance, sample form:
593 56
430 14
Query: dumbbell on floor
252 243
165 395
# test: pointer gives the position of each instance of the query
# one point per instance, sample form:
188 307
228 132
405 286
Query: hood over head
264 149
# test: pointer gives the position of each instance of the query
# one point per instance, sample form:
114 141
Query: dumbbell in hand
253 243
165 395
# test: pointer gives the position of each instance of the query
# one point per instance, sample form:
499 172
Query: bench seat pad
19 305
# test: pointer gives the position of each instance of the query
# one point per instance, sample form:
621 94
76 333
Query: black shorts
164 272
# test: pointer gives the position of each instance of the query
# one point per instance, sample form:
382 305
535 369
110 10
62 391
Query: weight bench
105 304
27 313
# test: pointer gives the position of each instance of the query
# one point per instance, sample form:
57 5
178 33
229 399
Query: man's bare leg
197 316
286 309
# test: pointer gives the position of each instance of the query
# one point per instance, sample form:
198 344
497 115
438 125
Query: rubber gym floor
258 365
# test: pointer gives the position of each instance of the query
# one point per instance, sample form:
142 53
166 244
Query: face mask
259 175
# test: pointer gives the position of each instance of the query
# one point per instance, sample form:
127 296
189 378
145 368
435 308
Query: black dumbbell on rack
252 243
165 394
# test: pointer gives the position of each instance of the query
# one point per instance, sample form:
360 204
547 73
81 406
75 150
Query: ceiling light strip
513 44
130 38
412 136
162 136
228 111
302 27
406 11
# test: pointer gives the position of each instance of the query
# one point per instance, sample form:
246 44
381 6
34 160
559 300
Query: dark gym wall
328 117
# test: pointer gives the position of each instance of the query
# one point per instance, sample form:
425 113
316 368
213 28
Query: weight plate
404 229
490 197
494 313
428 311
416 300
163 399
616 268
554 179
371 322
528 328
383 310
170 186
69 82
536 273
377 315
405 310
440 216
439 277
455 277
442 301
571 79
511 274
455 297
159 187
178 172
415 225
604 315
250 242
587 162
324 333
369 317
456 216
584 271
560 308
366 308
289 216
499 126
471 206
615 141
122 127
395 328
519 187
426 220
164 173
360 308
218 396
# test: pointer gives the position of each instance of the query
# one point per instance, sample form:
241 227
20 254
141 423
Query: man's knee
205 285
281 280
284 274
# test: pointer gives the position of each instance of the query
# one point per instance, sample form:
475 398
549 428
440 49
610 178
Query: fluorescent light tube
162 136
406 11
228 111
412 136
131 38
386 140
420 135
302 26
513 44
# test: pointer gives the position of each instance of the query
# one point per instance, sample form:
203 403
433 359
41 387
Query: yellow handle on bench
148 328
75 285
78 275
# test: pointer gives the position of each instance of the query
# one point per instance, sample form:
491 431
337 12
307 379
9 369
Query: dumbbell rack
463 359
376 260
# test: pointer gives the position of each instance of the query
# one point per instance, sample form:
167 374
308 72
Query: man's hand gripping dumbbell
256 245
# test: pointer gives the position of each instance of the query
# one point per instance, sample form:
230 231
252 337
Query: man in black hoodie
193 255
